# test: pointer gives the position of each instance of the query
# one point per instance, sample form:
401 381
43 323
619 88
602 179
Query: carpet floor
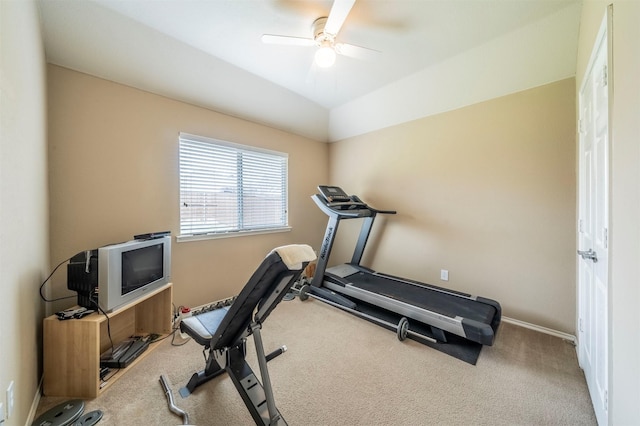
342 370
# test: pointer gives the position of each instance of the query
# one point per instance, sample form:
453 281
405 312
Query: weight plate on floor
89 419
304 292
403 327
61 415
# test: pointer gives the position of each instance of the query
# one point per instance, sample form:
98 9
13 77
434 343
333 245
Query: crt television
118 274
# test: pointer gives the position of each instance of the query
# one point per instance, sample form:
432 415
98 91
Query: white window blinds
227 188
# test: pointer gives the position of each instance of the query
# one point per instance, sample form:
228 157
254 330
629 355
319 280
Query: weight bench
223 332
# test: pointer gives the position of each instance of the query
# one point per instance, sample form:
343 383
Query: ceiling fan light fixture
325 30
325 56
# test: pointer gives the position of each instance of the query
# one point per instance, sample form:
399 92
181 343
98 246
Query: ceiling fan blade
287 40
354 51
337 16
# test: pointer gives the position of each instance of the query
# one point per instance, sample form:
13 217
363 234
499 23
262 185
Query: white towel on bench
294 255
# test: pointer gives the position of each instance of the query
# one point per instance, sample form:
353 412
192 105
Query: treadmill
373 295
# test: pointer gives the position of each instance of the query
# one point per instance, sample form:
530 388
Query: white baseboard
566 336
34 405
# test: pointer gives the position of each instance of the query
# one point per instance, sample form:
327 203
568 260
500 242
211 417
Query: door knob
588 254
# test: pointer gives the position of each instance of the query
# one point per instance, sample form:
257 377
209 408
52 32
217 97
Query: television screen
141 267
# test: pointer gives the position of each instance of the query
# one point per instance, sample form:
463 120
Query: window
228 189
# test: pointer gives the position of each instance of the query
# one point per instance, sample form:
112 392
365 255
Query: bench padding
223 327
201 326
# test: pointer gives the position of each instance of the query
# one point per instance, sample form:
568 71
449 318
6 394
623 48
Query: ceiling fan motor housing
318 32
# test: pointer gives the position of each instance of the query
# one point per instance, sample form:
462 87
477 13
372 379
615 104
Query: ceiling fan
324 31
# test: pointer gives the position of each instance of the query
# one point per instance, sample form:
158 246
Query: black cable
108 376
48 278
95 303
173 333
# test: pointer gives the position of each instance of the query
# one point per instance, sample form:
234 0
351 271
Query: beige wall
624 249
113 159
472 180
486 192
24 240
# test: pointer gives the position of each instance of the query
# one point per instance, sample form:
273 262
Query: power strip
212 306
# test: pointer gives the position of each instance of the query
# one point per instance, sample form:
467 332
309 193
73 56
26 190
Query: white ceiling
209 52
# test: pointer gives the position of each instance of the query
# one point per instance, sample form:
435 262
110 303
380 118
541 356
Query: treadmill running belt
424 297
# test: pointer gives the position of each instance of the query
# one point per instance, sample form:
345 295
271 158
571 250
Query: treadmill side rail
452 325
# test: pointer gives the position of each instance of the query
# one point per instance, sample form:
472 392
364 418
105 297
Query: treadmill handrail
383 211
357 199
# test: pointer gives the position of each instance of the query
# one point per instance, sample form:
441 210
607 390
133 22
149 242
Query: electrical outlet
10 399
444 275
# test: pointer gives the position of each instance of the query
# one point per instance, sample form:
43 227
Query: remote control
69 313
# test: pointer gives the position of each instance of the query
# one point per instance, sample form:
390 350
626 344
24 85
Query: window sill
230 234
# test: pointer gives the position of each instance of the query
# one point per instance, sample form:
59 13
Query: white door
593 226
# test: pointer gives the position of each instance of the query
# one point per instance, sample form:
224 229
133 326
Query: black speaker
82 277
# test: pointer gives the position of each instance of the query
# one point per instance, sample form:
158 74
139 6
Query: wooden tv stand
72 347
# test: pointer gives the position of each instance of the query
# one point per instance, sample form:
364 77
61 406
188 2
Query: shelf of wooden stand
72 348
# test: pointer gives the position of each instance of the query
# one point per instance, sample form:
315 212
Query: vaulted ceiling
432 55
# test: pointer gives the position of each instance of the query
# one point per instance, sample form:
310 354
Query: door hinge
605 237
580 326
606 400
580 226
604 76
581 126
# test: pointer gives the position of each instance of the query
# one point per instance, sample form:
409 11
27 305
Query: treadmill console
334 194
336 199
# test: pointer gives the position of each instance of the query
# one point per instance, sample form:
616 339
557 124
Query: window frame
239 148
